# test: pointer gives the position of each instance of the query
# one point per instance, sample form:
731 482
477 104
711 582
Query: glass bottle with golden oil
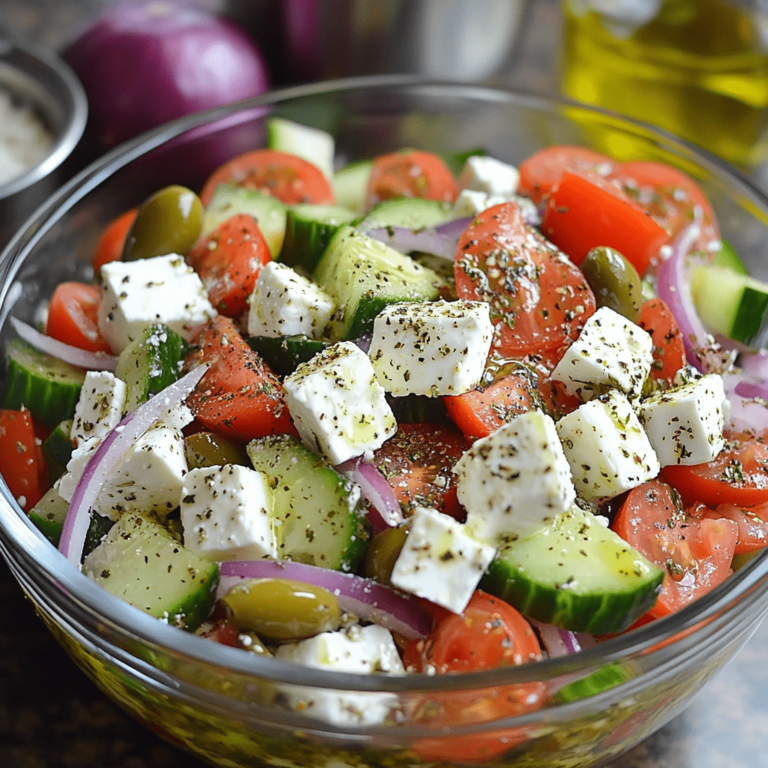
698 68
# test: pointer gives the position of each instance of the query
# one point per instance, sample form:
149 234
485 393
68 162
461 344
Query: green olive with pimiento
614 281
206 449
382 553
169 221
282 609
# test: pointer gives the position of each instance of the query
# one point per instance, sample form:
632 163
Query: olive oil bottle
697 68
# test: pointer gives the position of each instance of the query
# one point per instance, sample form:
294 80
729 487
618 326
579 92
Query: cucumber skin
57 450
283 354
602 679
305 239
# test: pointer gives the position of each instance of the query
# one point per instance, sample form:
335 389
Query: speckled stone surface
52 716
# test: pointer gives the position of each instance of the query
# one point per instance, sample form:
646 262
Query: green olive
614 281
282 609
206 449
382 553
170 221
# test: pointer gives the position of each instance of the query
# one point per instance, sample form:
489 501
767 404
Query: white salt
24 140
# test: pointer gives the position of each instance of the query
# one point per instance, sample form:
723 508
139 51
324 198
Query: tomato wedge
112 241
229 261
668 348
751 522
238 397
539 300
585 211
73 316
24 468
695 552
739 475
289 178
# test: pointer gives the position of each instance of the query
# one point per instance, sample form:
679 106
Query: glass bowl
234 708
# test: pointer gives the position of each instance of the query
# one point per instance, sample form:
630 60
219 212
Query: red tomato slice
751 522
542 171
23 465
238 397
670 197
286 177
695 553
668 348
229 261
73 316
585 211
417 462
539 300
112 241
411 173
739 475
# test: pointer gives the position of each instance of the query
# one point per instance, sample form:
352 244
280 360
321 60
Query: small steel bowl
39 78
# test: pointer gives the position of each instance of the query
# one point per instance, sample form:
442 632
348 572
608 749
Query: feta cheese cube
358 650
226 513
80 457
611 352
607 448
514 482
487 174
440 561
685 424
470 202
337 404
285 303
162 289
431 348
100 406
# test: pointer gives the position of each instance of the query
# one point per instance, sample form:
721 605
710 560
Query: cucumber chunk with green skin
575 574
350 185
727 257
311 144
45 385
284 353
322 522
269 212
142 563
731 304
308 230
455 160
408 212
602 679
57 450
363 276
150 363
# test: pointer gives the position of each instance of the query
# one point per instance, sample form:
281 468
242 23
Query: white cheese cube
431 348
607 448
161 289
81 455
611 352
285 303
487 174
337 404
685 424
227 513
440 561
357 650
514 482
470 202
100 406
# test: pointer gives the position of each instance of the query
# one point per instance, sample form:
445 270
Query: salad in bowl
345 420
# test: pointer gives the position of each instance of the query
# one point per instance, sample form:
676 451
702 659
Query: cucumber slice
731 304
727 257
150 363
269 212
142 563
575 574
47 386
322 522
284 353
350 185
408 212
311 144
308 229
57 450
602 679
363 276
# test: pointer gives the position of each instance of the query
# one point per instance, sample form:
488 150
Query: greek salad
421 414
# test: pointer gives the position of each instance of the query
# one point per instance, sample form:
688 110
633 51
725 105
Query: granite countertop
52 716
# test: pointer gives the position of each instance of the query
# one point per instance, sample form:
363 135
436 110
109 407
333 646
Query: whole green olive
282 609
206 449
614 281
382 553
169 221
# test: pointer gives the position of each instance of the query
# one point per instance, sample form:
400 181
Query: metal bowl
39 78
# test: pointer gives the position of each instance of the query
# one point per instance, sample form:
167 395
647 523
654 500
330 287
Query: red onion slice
558 641
454 228
747 398
379 492
91 361
365 598
109 452
407 240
